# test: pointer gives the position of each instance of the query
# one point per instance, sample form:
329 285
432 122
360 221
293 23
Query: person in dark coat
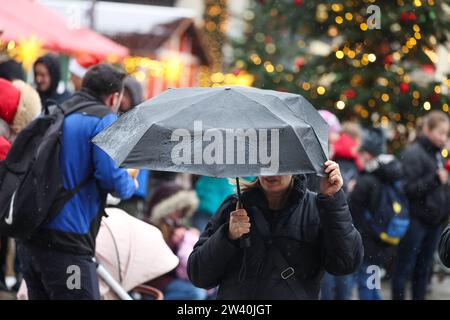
47 74
346 155
380 170
170 207
426 185
69 237
295 236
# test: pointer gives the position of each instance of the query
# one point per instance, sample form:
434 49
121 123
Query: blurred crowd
409 190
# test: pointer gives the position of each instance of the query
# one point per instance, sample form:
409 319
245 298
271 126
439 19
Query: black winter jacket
429 199
366 195
313 232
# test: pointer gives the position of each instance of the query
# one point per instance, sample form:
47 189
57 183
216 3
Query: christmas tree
374 60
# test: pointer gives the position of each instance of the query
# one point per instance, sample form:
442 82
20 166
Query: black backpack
390 220
31 185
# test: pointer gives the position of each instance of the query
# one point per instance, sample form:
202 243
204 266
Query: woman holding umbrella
295 236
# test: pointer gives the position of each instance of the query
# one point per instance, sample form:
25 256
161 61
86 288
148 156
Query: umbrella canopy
132 251
220 132
20 19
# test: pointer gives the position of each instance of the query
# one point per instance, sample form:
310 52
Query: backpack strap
287 272
67 111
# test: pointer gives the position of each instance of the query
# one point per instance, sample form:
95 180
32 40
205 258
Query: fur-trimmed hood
29 106
169 198
19 105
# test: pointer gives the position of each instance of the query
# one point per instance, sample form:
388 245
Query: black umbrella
221 132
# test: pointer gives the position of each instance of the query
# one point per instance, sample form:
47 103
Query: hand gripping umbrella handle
244 241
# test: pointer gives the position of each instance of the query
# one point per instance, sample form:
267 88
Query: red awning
20 19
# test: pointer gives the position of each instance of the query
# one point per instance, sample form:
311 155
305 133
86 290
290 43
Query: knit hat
135 89
374 141
168 198
345 148
332 121
19 104
9 100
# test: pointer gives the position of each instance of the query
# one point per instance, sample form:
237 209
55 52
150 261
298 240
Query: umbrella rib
155 122
209 94
174 99
283 120
171 113
286 105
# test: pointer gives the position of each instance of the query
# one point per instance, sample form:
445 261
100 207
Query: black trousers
55 275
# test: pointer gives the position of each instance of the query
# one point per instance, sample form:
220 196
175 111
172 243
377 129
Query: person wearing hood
427 187
136 205
132 94
169 208
346 155
295 235
19 105
369 201
47 75
334 131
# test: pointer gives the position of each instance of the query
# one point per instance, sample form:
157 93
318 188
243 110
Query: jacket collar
256 196
82 96
427 145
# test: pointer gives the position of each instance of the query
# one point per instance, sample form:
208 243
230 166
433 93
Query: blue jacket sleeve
110 177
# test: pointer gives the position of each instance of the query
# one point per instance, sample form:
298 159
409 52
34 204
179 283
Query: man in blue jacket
57 261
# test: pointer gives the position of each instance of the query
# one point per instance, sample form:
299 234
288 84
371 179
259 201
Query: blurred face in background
332 138
127 102
76 81
365 157
439 134
42 77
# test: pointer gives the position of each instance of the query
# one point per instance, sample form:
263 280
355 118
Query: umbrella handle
244 241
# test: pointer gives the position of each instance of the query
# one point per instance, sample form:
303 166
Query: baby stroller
129 253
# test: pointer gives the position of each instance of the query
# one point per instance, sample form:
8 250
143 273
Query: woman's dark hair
102 80
51 62
11 70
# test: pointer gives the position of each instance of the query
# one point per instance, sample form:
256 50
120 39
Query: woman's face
275 184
